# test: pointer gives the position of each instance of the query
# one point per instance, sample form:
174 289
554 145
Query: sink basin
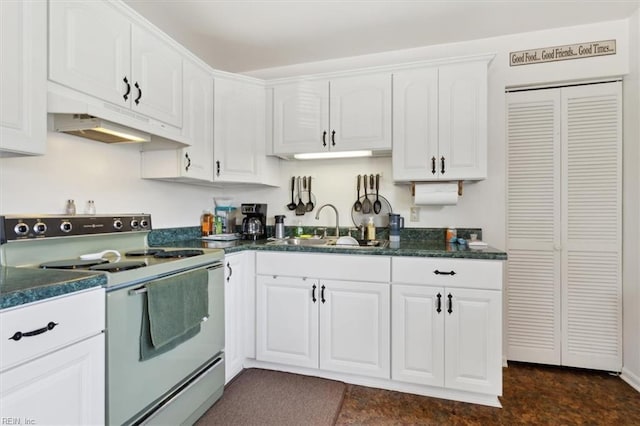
362 244
305 241
329 242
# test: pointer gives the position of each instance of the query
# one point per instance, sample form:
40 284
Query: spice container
452 235
71 208
206 223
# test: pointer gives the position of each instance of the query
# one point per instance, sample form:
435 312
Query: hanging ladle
377 205
310 204
357 206
292 205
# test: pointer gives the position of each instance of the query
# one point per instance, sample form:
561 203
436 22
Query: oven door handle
143 289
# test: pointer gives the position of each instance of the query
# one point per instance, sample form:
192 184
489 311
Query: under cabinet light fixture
94 128
333 154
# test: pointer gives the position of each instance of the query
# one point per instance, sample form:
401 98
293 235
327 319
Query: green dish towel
175 307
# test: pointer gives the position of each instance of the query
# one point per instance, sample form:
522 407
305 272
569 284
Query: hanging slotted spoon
366 204
309 207
300 208
292 204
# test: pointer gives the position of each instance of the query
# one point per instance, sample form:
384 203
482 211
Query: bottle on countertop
371 230
280 226
206 223
71 208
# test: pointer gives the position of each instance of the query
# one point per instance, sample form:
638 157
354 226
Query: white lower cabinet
448 336
326 323
54 372
234 299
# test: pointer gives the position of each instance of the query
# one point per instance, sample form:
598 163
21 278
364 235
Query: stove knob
135 223
21 229
66 226
40 228
117 224
144 223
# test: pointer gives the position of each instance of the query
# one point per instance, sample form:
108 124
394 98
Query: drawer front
476 273
76 317
328 266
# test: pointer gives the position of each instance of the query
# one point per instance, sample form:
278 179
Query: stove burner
118 266
72 264
144 252
171 254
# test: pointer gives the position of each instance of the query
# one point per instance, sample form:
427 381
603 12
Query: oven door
137 387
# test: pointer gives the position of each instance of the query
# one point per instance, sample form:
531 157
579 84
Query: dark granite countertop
406 248
23 285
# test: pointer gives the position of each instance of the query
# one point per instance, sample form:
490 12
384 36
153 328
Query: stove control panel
14 228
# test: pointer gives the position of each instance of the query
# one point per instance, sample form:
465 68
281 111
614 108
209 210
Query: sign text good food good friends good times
562 53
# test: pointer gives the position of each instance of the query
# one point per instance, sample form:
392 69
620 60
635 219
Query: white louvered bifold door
591 231
533 226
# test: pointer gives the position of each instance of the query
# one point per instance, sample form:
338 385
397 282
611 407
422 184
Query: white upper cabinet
343 114
239 131
96 49
23 101
440 123
197 123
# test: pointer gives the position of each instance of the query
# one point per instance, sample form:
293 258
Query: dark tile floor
532 395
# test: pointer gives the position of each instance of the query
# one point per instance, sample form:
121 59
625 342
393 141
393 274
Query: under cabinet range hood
97 129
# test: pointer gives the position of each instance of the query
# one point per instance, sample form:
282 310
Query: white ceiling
245 35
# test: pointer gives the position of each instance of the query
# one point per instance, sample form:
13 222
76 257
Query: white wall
631 211
83 170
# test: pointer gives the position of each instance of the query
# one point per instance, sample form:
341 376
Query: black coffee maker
254 225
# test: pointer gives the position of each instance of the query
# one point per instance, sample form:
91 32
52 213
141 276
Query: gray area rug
263 397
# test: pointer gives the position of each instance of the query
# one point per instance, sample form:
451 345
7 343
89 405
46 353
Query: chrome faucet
337 220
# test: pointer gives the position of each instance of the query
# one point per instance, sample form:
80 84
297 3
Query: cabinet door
156 71
234 314
463 121
23 80
63 387
360 113
355 328
239 139
89 49
415 125
287 320
197 160
473 340
301 117
417 327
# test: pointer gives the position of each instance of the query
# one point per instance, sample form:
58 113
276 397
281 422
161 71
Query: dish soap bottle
206 223
371 230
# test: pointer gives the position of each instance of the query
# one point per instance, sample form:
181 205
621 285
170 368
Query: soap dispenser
371 229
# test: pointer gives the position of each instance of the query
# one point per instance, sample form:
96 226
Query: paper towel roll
427 194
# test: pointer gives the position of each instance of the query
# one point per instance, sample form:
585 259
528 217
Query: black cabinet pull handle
439 306
324 138
322 299
217 168
137 100
444 273
186 155
230 271
19 335
433 165
333 138
442 165
313 294
450 308
126 95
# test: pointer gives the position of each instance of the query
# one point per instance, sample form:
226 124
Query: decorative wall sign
562 53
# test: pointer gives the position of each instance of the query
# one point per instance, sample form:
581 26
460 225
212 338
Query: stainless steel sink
330 242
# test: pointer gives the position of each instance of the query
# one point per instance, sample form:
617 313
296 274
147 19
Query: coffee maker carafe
254 224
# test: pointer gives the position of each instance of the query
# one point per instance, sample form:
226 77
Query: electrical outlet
415 214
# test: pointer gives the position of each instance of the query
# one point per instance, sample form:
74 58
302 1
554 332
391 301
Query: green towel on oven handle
175 306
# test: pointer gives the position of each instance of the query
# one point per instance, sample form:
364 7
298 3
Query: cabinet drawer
77 317
328 266
486 274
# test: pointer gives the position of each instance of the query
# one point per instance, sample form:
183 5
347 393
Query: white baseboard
632 379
